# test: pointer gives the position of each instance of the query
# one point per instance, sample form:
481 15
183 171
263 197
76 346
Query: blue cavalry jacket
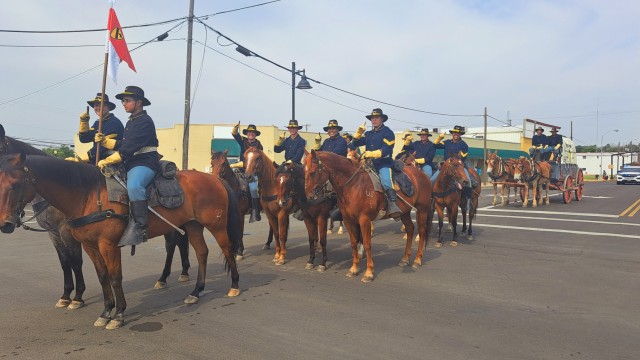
336 145
139 132
293 148
539 140
110 125
378 139
244 144
424 150
453 148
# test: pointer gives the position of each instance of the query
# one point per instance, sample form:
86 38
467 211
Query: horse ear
226 151
2 134
306 152
275 164
20 159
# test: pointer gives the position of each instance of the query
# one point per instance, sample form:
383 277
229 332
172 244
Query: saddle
398 178
164 190
243 189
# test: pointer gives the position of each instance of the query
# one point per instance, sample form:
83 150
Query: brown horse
256 162
500 170
220 167
360 204
290 180
534 175
448 194
79 192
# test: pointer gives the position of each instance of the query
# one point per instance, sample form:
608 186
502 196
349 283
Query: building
596 163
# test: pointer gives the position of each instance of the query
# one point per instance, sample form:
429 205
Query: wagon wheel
566 189
579 185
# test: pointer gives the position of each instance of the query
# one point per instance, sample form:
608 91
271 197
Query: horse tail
233 223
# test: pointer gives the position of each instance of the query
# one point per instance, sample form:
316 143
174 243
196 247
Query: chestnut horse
360 204
290 180
256 162
500 170
534 175
79 192
448 194
220 167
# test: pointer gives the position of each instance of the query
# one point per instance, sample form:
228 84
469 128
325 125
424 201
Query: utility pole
484 151
187 92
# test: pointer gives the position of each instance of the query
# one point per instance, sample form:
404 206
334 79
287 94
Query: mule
501 170
534 175
79 192
360 204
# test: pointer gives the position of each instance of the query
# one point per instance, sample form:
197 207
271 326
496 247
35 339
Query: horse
220 167
448 194
290 180
360 204
500 170
533 174
79 190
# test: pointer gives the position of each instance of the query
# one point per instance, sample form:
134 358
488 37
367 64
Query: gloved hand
439 139
84 157
317 140
280 139
408 140
288 162
236 128
557 147
239 164
375 154
546 146
420 161
361 129
108 141
112 159
84 122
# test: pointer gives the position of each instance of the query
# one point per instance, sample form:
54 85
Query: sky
559 62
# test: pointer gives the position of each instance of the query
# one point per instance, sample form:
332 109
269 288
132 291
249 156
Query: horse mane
77 176
15 146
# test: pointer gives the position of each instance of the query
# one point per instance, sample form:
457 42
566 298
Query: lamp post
602 145
303 84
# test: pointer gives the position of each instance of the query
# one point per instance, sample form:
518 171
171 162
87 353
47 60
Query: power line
242 8
69 46
88 30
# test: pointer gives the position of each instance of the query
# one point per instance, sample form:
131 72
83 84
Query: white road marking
491 208
563 220
597 197
558 231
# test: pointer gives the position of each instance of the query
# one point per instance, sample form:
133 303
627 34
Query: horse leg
354 233
463 210
409 227
422 219
365 225
196 239
267 245
546 192
472 214
110 252
534 192
221 235
440 224
453 220
183 245
322 224
525 195
340 229
283 221
67 272
170 242
495 194
75 256
240 253
103 278
312 232
330 228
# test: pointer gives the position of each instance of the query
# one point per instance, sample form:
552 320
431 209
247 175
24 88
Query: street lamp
601 145
303 84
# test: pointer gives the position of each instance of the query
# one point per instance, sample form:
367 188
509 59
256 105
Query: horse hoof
101 322
438 244
402 228
367 279
191 299
308 266
239 257
183 278
75 304
275 259
280 262
114 324
454 243
233 292
417 238
329 232
62 303
351 274
322 268
469 237
403 263
266 247
416 264
404 237
160 285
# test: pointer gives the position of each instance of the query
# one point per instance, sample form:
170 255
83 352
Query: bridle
455 184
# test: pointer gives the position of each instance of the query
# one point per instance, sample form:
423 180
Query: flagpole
104 86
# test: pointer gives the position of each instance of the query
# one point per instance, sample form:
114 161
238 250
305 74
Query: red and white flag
116 47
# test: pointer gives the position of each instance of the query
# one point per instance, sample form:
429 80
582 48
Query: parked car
629 175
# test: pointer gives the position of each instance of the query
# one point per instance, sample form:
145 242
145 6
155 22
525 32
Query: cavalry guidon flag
116 47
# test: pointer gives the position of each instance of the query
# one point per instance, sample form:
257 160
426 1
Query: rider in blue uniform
293 146
138 149
334 143
454 147
379 146
407 146
538 142
249 140
111 127
555 145
424 151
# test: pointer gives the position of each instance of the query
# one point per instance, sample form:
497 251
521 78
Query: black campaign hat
377 112
294 124
98 99
333 123
554 130
251 127
539 128
135 92
457 129
424 132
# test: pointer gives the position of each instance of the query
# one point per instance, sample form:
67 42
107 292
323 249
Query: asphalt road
555 282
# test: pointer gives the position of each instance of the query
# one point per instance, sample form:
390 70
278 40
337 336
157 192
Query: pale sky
555 61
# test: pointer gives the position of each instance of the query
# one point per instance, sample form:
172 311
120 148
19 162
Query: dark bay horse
256 162
79 190
220 167
51 219
500 170
290 187
448 194
360 204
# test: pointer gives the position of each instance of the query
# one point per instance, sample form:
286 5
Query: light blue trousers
137 180
385 177
253 187
427 170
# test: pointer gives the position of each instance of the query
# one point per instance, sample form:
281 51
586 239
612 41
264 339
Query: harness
38 208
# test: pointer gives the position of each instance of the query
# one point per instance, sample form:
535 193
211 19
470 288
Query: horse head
16 190
219 163
453 170
408 159
284 183
522 169
493 164
253 162
315 175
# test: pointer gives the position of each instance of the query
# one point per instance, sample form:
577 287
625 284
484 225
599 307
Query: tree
64 151
586 148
